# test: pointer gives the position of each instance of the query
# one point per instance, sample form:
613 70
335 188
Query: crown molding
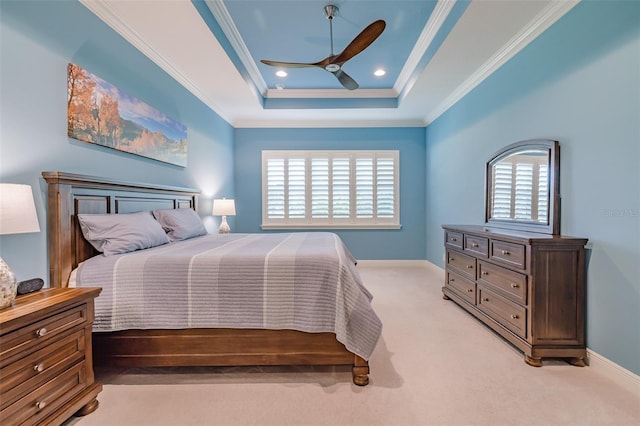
223 17
547 17
110 16
324 124
330 93
434 23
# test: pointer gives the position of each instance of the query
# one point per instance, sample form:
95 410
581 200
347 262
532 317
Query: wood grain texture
529 288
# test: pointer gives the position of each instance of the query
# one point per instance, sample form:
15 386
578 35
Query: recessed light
379 72
281 73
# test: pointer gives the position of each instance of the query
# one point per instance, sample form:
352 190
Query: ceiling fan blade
288 64
345 80
362 41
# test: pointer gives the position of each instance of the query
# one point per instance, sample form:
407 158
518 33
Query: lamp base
8 286
224 226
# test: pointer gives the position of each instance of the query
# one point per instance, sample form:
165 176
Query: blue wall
405 243
38 39
579 83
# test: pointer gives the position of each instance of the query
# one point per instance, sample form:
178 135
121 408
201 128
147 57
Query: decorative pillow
121 233
180 224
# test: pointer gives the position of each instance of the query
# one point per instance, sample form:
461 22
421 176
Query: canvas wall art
100 113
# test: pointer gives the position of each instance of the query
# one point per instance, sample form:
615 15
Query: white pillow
121 233
180 224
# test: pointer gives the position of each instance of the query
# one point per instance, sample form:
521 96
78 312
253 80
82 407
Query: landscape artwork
100 113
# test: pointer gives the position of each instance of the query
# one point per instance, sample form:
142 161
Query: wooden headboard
70 194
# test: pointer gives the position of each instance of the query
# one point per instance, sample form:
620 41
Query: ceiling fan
333 63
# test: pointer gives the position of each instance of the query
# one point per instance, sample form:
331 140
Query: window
330 189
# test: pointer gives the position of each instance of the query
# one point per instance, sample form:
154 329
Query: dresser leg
534 361
577 361
89 408
445 297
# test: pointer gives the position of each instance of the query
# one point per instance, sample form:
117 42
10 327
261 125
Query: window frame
353 222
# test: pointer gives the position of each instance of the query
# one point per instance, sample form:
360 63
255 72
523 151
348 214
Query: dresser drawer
46 399
41 331
31 370
508 253
476 245
506 312
463 264
465 288
512 283
453 239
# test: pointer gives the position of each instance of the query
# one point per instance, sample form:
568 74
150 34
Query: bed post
360 371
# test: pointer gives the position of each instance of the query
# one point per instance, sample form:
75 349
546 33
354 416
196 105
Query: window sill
332 226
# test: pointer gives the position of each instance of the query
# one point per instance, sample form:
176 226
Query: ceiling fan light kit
333 63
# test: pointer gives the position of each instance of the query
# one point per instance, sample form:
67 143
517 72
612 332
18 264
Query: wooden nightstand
46 364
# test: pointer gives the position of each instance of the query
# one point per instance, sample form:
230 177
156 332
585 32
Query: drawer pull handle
469 290
475 245
454 239
485 299
469 266
41 332
451 259
506 252
41 404
38 367
514 285
514 316
485 273
451 280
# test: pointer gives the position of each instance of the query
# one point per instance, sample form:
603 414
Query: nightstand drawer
46 399
38 332
507 313
31 370
463 264
512 283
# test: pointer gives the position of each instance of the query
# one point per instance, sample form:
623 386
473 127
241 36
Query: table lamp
17 216
224 208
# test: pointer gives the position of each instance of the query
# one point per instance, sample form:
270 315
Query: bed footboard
224 347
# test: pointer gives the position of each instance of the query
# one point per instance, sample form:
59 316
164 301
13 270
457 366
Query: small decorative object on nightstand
17 216
224 208
46 362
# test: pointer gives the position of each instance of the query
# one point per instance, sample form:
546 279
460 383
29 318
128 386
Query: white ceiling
487 35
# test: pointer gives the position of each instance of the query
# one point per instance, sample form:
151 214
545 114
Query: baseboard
596 362
613 371
392 263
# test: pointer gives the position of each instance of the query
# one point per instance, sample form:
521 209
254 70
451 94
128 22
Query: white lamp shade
224 207
17 209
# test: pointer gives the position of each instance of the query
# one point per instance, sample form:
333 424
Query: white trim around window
330 189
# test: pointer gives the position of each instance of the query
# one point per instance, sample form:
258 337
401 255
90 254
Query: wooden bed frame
70 194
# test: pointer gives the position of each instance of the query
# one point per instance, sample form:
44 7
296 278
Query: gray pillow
180 224
121 233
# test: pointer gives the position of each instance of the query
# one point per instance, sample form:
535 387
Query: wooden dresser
46 366
528 287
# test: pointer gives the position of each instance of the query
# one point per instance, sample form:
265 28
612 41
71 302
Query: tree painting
100 113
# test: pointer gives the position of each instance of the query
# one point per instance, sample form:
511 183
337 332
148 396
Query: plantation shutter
330 189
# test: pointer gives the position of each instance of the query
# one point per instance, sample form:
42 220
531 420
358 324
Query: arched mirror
522 189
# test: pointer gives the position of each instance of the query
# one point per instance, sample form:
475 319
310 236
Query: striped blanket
299 281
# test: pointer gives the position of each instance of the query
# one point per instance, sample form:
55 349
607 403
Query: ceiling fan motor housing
330 11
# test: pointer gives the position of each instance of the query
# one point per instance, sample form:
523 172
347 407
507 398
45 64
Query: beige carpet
435 365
